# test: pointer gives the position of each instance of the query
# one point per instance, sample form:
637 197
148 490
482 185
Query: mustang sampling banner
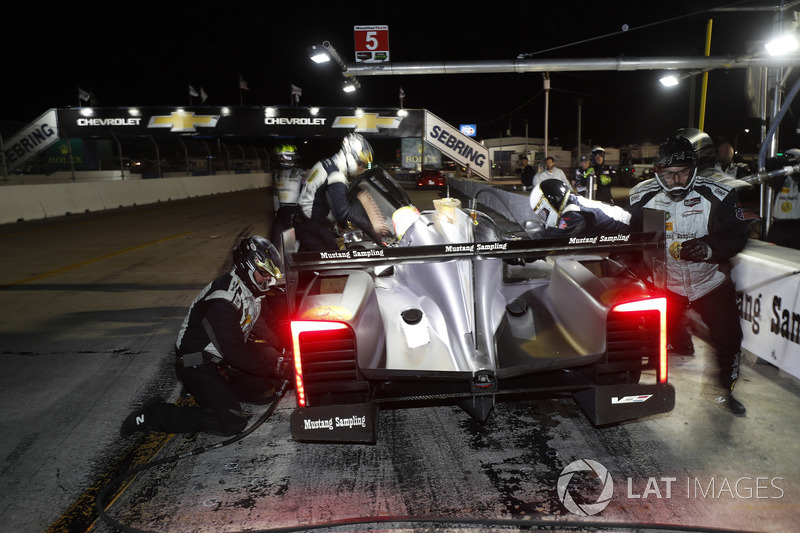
766 278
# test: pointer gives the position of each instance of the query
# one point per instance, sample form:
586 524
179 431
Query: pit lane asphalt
90 307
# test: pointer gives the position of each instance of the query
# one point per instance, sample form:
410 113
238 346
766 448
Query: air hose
101 497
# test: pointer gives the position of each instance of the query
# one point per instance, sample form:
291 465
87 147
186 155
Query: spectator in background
727 166
526 174
579 178
550 171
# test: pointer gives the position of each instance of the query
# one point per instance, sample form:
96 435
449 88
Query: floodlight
318 54
669 81
785 44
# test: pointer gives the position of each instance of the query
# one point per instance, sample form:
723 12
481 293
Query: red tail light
299 327
653 304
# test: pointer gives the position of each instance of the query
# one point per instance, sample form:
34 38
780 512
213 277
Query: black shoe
732 405
139 420
680 350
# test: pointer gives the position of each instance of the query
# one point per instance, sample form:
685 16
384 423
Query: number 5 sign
372 44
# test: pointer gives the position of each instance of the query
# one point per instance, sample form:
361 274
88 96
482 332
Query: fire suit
711 214
288 183
586 217
218 360
323 202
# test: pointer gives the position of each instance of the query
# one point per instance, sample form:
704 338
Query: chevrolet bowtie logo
182 121
367 122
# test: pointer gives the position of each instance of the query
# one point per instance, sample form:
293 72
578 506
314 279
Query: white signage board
31 140
767 281
457 146
371 44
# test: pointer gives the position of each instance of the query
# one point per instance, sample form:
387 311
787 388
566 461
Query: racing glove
695 250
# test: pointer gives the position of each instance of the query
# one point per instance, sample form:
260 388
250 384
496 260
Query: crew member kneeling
229 349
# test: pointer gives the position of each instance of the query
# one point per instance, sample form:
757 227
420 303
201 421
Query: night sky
147 54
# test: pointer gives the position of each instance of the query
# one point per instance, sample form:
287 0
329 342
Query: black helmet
256 254
548 200
687 147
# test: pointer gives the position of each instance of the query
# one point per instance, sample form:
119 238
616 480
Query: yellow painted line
89 261
82 515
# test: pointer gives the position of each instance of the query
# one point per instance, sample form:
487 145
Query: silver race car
463 304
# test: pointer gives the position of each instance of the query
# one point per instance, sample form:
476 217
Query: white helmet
356 149
548 200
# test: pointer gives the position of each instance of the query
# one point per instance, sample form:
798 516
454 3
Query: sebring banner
457 146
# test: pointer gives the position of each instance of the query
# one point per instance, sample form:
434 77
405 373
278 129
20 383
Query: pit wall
37 201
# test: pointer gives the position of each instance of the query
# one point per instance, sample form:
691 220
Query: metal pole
71 160
580 145
119 149
158 157
704 89
186 156
3 156
546 109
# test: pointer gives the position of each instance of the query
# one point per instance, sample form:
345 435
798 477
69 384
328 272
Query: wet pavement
90 306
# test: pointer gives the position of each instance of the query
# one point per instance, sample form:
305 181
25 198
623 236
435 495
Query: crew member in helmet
566 214
705 228
229 349
323 200
602 175
288 182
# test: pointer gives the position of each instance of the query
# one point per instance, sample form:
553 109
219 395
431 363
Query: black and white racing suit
218 360
711 213
288 183
323 202
584 217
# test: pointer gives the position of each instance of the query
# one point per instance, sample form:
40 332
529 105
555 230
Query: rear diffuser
608 404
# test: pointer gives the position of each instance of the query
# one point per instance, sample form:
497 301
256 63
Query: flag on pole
243 84
83 95
193 91
297 92
203 96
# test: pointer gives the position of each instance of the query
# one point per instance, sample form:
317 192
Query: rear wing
649 245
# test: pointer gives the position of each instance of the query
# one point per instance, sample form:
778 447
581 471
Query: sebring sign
457 146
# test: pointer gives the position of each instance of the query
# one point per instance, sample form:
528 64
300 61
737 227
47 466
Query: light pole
326 52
